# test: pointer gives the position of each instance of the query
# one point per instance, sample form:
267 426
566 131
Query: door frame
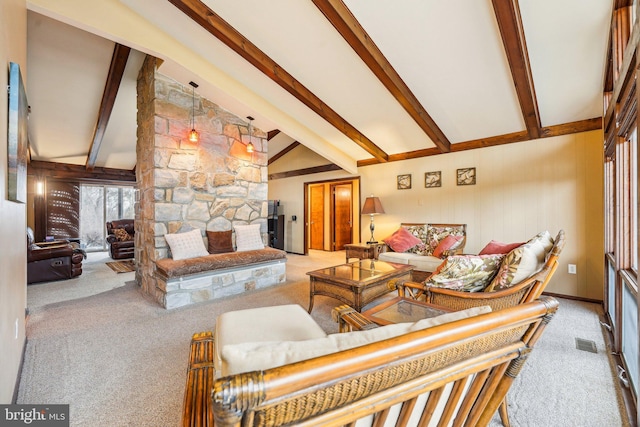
355 182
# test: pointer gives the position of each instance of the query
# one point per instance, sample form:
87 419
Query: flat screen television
17 137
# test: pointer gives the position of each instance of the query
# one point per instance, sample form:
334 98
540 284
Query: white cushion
248 237
186 245
421 262
251 356
426 263
274 323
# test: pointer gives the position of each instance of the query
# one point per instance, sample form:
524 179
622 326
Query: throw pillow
448 243
219 242
248 237
495 247
186 245
401 240
469 273
419 231
122 235
522 262
435 234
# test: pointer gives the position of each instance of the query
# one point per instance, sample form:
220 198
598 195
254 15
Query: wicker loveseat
458 371
422 256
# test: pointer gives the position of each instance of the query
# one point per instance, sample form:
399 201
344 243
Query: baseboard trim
571 297
16 387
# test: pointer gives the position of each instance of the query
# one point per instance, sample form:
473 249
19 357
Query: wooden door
342 215
316 217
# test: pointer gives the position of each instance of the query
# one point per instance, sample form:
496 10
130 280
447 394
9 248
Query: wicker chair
525 291
455 373
528 290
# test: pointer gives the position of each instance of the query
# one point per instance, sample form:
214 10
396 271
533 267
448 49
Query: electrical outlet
16 329
572 269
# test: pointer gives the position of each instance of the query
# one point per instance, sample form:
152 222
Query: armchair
121 238
48 262
278 367
525 291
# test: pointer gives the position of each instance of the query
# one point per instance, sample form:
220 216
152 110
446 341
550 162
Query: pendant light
193 135
250 147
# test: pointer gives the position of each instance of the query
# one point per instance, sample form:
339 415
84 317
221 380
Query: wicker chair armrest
350 320
412 290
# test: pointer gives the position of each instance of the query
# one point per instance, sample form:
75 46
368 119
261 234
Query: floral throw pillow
522 262
122 235
469 273
419 231
435 235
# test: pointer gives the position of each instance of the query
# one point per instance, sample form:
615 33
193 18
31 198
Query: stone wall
209 185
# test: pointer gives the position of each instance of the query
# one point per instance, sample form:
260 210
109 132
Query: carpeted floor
120 360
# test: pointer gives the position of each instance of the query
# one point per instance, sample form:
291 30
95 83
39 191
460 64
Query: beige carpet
120 360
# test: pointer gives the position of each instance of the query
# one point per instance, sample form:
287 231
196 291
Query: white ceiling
450 54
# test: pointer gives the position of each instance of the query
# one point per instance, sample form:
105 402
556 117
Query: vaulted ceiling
357 81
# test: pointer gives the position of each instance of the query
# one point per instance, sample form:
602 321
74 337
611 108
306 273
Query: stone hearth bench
214 276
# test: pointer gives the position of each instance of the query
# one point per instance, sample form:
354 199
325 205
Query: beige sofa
421 257
275 366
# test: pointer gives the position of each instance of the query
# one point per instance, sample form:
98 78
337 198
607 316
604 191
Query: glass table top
403 310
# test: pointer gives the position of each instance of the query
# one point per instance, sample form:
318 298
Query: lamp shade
372 206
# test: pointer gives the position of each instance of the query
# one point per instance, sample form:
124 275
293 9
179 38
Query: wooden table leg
312 288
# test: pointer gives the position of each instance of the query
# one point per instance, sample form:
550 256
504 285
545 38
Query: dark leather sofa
119 249
49 261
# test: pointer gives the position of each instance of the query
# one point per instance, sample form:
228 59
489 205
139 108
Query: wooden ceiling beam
272 133
510 138
78 172
350 29
116 71
306 171
218 27
284 151
510 23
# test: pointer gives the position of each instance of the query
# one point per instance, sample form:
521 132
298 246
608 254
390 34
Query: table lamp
372 206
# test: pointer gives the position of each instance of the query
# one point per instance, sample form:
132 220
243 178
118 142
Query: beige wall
522 188
13 264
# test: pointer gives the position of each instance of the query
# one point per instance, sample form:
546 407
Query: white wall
522 188
13 248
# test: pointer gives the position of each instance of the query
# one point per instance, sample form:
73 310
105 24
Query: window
99 204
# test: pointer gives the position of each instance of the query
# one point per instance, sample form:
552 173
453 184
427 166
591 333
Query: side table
363 250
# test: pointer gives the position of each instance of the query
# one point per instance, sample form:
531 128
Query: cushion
420 262
288 322
401 240
522 262
122 235
219 242
495 247
435 234
186 245
248 237
469 273
449 242
250 356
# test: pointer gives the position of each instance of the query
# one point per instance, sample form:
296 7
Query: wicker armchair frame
469 364
525 291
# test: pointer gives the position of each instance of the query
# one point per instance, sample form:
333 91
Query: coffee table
396 310
356 283
400 310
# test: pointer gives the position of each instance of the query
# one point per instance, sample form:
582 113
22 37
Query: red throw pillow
446 244
494 247
402 240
